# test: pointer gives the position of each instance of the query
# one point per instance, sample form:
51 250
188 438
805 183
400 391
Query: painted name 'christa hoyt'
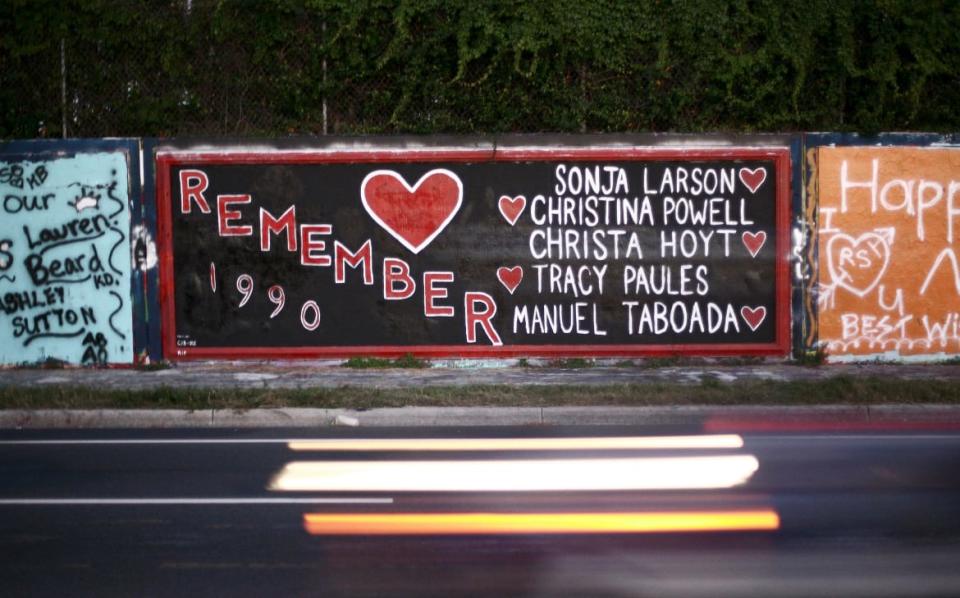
316 247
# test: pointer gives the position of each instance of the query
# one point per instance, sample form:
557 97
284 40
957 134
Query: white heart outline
411 190
837 280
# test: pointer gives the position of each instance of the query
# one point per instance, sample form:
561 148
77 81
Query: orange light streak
420 524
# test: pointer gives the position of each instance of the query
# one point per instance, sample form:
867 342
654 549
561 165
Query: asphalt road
221 513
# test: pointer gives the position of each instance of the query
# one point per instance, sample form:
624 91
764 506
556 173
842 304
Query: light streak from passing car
539 523
518 475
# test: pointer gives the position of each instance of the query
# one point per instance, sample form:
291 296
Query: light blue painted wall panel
65 259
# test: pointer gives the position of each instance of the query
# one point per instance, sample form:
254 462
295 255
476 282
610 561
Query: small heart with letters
753 316
415 215
512 207
753 241
510 277
753 178
857 264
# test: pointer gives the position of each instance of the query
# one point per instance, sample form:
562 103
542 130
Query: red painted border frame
779 155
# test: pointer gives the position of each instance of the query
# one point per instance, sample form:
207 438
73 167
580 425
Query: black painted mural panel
678 252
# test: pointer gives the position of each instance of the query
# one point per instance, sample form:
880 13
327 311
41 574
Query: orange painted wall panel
889 239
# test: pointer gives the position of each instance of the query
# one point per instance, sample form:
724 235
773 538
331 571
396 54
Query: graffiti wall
339 248
889 224
65 289
526 252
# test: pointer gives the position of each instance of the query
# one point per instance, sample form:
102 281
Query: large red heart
413 215
753 316
510 277
753 178
511 208
753 241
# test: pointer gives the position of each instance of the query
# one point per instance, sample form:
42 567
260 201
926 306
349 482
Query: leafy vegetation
407 361
276 67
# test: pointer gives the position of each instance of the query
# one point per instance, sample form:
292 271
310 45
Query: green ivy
269 67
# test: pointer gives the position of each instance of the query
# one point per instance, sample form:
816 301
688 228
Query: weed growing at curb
663 362
709 382
408 361
814 358
50 363
153 366
573 363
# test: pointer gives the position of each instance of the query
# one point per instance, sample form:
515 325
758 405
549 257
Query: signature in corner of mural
858 264
413 214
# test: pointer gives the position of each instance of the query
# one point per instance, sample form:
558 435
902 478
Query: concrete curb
472 416
310 375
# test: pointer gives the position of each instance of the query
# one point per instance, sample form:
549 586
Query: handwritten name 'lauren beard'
591 217
311 242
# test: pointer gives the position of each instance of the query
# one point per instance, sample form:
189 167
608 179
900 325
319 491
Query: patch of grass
408 361
740 361
571 363
709 382
663 362
813 358
153 366
839 390
50 363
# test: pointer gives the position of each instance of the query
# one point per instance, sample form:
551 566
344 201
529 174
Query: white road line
192 501
704 441
333 441
153 441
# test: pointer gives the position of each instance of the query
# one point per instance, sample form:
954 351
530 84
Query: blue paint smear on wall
65 260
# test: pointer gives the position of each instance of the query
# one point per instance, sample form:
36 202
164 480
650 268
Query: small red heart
753 178
512 208
510 277
754 241
753 316
412 215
